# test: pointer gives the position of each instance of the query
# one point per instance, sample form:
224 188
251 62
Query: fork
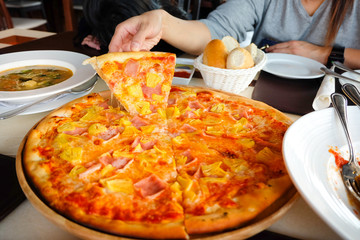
85 87
350 172
345 68
337 75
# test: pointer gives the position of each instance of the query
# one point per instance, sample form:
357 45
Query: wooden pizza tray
264 220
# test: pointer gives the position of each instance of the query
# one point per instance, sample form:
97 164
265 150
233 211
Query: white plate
71 60
187 65
292 66
351 75
313 170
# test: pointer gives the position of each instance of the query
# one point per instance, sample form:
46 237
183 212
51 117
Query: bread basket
230 80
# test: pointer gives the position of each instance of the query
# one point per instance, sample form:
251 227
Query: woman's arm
352 58
318 53
145 31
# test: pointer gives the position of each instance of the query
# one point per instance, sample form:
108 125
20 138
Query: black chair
18 22
191 7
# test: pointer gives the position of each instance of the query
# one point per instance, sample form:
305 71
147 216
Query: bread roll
239 58
252 49
215 54
230 43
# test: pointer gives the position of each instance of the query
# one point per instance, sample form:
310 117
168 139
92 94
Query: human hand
302 48
91 41
142 32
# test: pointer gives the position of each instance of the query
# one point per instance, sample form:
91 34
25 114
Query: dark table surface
62 41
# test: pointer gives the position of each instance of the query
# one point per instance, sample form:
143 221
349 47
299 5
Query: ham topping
172 101
189 114
198 174
104 105
106 159
150 185
118 163
76 131
135 142
148 91
113 115
139 122
146 145
89 171
188 155
188 128
131 68
110 133
195 105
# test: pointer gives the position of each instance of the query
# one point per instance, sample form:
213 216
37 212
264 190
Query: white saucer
292 66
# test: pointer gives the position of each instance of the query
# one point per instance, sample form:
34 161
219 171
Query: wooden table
26 223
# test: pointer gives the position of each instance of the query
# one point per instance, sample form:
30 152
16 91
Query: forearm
352 58
188 36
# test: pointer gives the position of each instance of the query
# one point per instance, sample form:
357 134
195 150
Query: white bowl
230 80
70 60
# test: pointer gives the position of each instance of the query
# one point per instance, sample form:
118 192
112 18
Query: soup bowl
70 60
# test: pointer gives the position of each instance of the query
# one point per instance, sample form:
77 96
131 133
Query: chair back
191 7
5 18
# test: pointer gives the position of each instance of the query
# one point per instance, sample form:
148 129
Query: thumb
139 38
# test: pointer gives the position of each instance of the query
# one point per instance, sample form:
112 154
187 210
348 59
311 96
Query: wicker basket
230 80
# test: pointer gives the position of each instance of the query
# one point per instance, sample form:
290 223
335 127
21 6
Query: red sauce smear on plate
339 160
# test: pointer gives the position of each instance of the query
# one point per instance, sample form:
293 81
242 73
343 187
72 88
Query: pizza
141 81
205 161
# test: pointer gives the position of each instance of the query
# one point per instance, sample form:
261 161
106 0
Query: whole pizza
167 162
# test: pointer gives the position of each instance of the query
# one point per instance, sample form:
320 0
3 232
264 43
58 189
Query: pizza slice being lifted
140 81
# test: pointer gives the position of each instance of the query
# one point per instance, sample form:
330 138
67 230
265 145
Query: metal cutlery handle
334 74
345 68
352 93
339 102
22 108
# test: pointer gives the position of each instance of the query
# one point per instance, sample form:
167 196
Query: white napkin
327 87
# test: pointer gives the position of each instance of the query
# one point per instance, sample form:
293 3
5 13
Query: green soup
33 77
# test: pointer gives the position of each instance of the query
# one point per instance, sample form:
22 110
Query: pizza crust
254 203
171 230
99 61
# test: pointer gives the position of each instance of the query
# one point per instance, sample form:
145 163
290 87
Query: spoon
76 90
350 172
352 93
345 68
334 74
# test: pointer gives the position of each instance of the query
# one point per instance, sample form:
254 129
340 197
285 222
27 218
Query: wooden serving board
260 223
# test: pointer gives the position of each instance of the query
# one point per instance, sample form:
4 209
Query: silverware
89 85
334 74
352 93
345 68
350 172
